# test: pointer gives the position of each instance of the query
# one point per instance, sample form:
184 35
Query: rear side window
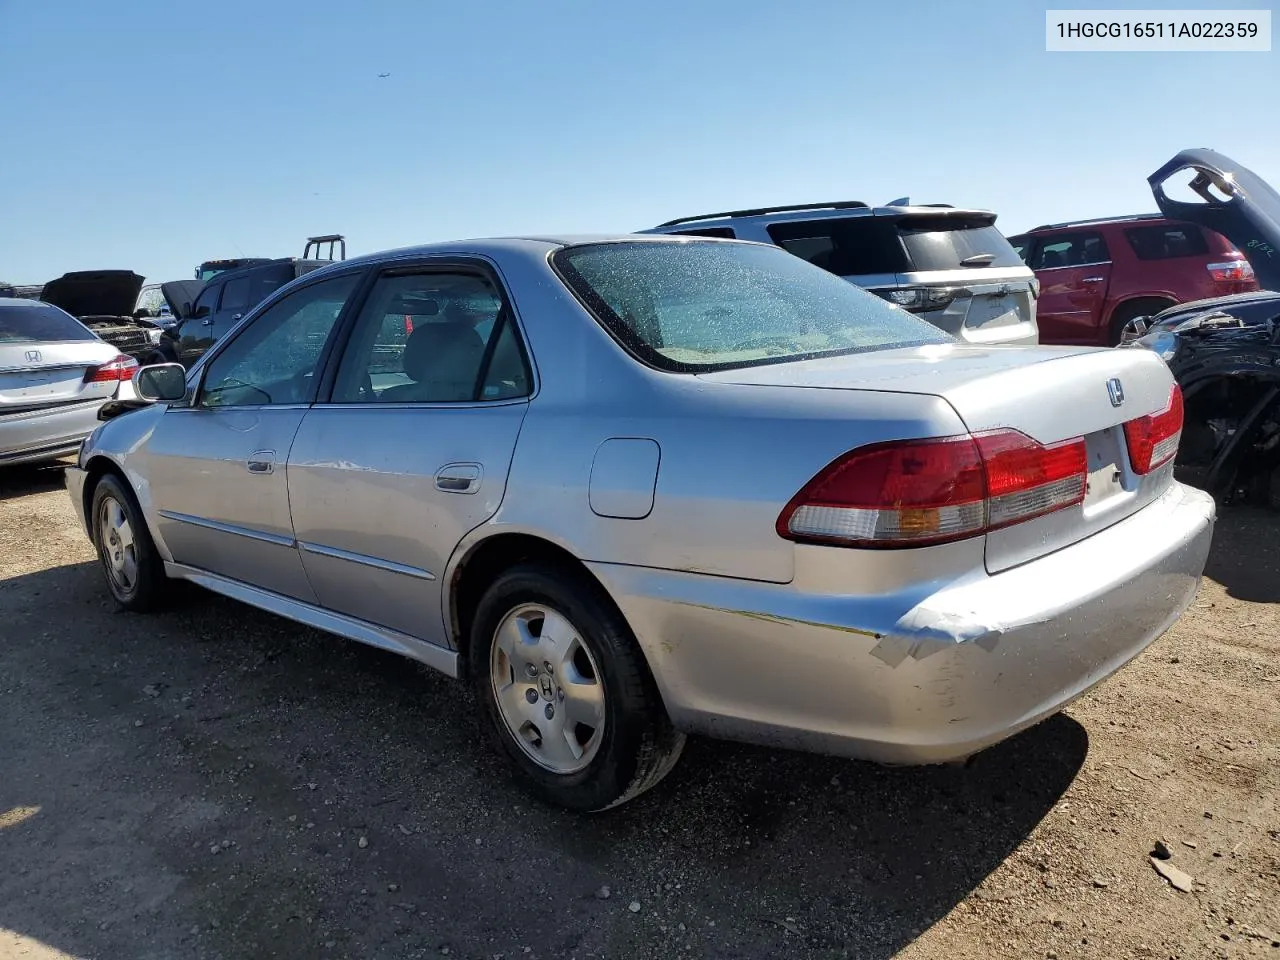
946 243
704 306
235 295
269 281
847 246
1167 241
1070 250
20 324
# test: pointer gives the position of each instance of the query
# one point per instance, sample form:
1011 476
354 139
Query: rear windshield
939 244
40 322
866 246
705 305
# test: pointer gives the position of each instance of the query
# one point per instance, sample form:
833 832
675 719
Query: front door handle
1093 279
459 478
263 461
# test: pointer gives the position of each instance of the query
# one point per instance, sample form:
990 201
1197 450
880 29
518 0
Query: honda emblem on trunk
1116 391
33 356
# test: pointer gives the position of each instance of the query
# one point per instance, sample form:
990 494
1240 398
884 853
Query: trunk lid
34 376
1234 201
1048 393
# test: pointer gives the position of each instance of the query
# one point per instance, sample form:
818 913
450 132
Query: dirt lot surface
215 782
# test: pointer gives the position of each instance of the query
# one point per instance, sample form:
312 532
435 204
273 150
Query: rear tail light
1230 271
919 299
121 368
918 492
1153 440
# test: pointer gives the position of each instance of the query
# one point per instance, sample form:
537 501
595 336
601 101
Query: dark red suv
1096 275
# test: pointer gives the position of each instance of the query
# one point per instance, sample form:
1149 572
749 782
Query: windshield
701 305
40 323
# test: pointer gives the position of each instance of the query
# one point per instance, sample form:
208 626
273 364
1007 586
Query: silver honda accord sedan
630 488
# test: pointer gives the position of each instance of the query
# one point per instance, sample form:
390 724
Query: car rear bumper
40 435
915 677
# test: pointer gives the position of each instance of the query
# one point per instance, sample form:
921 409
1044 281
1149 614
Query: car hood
1188 307
88 293
180 295
1237 203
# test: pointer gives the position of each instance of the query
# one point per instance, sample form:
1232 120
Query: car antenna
900 202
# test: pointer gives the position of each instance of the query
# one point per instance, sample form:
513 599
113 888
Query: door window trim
356 298
446 263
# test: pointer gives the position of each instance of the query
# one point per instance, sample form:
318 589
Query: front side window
1070 250
207 302
151 301
438 337
691 306
274 359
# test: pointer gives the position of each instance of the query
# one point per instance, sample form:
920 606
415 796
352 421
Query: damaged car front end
105 301
1225 352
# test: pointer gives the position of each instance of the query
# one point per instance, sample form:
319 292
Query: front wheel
134 570
565 692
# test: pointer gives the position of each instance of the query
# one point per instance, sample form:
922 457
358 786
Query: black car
221 303
1225 352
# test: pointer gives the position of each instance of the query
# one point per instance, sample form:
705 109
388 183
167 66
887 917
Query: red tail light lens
1232 271
1153 440
918 492
121 368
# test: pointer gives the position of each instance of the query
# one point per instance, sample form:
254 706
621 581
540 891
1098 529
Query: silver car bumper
75 478
48 434
926 677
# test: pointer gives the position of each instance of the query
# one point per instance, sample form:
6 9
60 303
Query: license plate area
1107 468
23 388
994 310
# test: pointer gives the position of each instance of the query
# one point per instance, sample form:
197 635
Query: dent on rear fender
924 632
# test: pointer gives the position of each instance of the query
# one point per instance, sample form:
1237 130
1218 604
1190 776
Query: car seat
443 361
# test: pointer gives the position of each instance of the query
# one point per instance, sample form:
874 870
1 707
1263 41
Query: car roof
839 209
532 243
23 302
1100 221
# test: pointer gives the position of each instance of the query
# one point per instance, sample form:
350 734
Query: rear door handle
263 461
1093 279
459 478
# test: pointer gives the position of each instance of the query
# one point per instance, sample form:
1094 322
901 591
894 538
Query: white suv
950 266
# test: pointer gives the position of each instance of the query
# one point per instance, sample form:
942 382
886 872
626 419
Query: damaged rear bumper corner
923 676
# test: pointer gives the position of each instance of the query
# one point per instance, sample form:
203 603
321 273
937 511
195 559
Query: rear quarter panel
730 457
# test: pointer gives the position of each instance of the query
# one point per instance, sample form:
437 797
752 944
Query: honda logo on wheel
1116 391
32 356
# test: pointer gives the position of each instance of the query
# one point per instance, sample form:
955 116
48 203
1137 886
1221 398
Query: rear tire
1128 311
565 693
130 562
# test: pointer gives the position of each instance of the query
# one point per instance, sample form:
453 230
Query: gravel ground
215 782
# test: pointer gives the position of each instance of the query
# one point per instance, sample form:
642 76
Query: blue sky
151 135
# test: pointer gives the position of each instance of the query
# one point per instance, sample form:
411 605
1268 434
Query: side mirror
161 382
